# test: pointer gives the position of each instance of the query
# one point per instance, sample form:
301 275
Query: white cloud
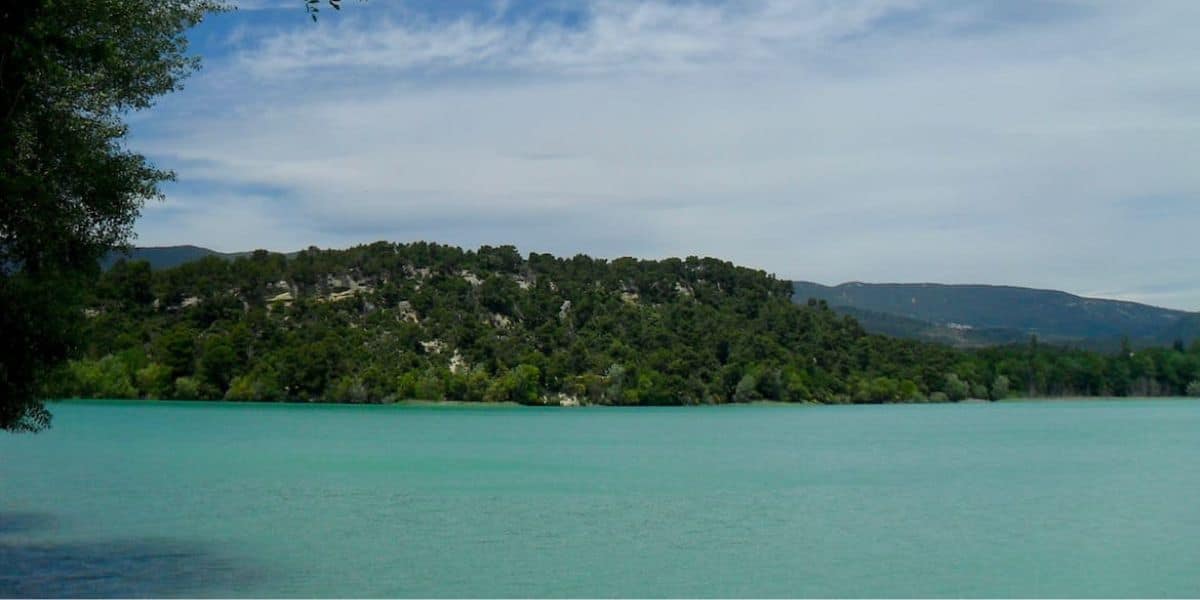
960 142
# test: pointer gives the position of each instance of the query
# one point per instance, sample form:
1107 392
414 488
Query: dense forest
387 322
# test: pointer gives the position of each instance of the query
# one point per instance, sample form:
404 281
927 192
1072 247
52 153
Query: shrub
105 378
348 389
430 387
154 380
187 388
956 389
255 387
1000 388
747 389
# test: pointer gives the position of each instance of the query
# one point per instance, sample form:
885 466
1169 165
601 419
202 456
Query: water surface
1035 499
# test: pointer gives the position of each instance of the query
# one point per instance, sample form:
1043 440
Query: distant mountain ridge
982 315
166 257
160 257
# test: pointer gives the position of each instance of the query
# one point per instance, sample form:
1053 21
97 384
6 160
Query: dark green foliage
70 71
387 322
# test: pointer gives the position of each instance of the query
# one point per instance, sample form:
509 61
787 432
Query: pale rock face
470 278
683 290
458 364
347 281
561 399
500 321
421 273
523 282
337 296
189 301
564 310
407 312
433 346
92 313
284 297
630 297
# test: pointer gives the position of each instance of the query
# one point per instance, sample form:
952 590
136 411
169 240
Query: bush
406 386
1193 389
939 397
747 389
1000 388
348 389
105 378
956 389
187 388
430 387
154 380
254 387
526 390
877 391
518 385
797 388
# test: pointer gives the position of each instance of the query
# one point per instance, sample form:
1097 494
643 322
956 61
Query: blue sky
1046 144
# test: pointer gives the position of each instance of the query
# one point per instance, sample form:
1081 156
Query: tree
746 389
1000 388
956 389
218 360
176 349
70 70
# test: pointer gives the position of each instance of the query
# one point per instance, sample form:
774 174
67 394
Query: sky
1050 144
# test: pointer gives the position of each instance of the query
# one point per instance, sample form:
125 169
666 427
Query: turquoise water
1039 499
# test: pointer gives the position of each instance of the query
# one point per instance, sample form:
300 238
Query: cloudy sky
1048 144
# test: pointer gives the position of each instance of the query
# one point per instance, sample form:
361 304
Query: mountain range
984 315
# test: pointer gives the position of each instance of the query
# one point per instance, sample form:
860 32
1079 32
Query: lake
1026 499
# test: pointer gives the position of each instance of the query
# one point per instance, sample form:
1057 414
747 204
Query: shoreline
460 404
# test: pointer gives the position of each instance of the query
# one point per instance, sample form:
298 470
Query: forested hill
385 322
973 315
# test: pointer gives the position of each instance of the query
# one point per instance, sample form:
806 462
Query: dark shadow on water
118 568
21 522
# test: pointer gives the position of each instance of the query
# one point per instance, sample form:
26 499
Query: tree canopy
70 71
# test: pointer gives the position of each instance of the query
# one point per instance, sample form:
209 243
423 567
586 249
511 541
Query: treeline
387 322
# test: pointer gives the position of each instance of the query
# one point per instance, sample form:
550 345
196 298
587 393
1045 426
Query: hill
975 315
963 316
386 322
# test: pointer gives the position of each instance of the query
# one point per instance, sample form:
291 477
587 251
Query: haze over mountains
957 315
